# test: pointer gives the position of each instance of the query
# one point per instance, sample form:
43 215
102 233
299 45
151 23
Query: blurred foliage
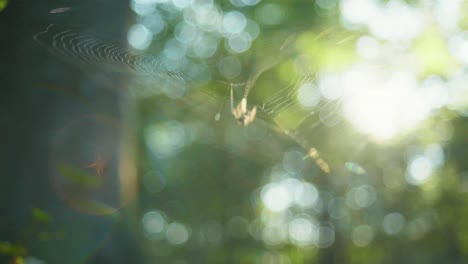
367 201
79 177
41 216
357 154
18 251
3 4
433 53
11 250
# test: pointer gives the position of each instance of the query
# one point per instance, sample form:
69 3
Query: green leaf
93 206
3 4
8 249
79 177
41 215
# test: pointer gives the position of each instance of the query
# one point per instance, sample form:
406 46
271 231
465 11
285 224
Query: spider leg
232 99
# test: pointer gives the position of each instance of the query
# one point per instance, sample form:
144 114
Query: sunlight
303 232
393 21
374 114
276 197
384 104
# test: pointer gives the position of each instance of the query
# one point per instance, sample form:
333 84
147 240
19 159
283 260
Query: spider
98 165
243 115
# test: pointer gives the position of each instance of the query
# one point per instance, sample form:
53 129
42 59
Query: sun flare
384 105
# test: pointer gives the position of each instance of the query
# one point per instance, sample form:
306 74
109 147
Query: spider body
243 115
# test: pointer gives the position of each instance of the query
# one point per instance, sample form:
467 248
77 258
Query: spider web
275 110
87 50
308 128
